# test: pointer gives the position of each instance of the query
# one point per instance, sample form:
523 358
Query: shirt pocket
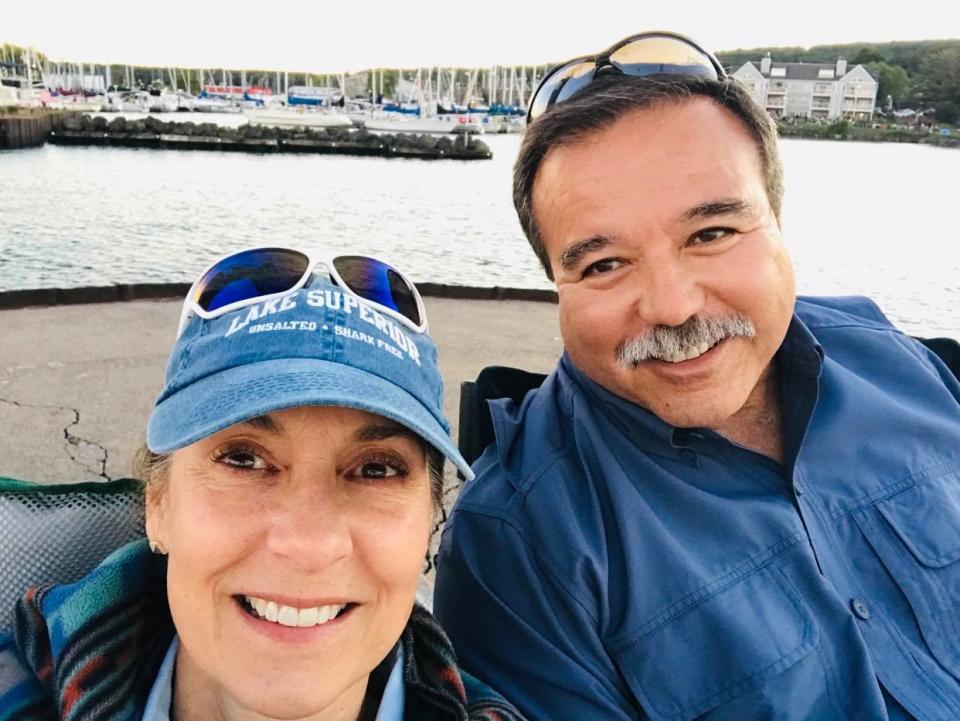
916 534
717 650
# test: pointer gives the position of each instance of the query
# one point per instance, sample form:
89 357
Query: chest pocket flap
718 649
917 536
927 520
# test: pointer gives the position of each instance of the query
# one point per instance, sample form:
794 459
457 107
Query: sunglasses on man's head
250 276
655 53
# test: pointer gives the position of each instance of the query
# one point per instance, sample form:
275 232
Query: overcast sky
347 35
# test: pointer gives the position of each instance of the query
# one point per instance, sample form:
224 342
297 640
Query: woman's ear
156 507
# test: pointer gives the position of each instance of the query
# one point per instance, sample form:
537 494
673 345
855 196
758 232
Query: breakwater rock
154 133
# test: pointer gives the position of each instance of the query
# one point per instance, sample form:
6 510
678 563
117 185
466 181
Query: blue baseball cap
318 346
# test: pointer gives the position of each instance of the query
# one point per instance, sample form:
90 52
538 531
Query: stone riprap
152 132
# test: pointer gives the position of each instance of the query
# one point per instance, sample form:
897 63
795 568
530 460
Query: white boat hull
437 126
163 105
83 106
209 105
271 117
9 97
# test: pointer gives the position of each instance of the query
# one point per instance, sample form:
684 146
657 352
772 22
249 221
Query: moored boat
438 125
299 117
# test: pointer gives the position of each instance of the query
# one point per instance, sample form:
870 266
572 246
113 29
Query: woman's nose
311 531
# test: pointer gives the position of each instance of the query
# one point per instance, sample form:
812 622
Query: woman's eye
601 266
710 235
243 459
378 469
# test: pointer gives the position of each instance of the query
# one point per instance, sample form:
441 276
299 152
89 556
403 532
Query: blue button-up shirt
605 565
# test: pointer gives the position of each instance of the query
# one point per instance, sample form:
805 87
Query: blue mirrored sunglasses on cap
653 53
251 276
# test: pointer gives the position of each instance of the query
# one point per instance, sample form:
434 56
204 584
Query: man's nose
311 530
669 292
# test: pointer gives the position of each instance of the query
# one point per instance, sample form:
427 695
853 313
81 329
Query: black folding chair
476 427
947 349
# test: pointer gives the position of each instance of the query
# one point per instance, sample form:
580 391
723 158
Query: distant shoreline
846 131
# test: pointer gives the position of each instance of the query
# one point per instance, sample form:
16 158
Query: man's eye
710 235
601 266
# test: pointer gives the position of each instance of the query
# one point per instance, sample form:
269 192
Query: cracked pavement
88 455
77 382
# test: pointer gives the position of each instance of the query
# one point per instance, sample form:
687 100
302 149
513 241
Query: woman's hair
154 470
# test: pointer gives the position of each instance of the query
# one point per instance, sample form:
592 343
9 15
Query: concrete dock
77 382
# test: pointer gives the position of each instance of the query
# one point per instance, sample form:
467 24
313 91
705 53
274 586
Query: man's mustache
676 342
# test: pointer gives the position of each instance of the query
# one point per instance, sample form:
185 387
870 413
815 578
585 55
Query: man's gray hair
609 98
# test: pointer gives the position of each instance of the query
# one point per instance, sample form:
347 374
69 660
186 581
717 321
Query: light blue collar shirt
161 695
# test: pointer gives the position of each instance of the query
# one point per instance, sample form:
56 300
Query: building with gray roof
813 90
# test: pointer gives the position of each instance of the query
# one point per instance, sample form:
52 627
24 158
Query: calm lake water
874 219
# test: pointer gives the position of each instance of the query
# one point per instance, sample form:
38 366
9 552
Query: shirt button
688 455
860 609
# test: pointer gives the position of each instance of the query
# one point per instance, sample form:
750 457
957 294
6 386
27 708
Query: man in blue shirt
725 502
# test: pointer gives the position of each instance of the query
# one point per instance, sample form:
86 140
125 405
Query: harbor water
873 219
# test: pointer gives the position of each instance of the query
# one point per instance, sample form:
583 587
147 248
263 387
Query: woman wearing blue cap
294 474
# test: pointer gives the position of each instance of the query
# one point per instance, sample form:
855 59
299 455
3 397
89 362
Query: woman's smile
295 616
293 624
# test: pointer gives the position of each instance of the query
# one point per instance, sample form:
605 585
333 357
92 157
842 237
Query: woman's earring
157 547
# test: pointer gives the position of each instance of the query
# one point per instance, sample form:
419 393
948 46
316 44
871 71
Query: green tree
839 129
893 81
868 56
938 75
947 111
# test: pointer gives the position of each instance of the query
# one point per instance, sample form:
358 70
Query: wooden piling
29 129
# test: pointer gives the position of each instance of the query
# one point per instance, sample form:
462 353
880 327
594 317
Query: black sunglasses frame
602 63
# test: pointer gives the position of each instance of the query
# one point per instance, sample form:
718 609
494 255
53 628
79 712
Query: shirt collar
161 694
800 352
636 423
394 697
